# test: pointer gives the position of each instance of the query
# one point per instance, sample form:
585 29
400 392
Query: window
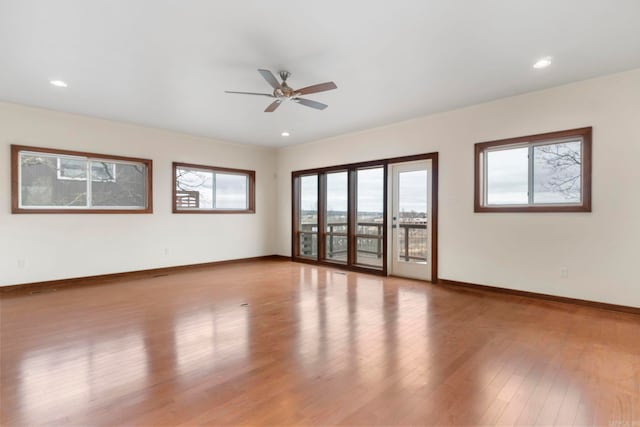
549 172
370 215
55 181
340 215
210 189
337 216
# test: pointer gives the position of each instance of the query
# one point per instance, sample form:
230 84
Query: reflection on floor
313 346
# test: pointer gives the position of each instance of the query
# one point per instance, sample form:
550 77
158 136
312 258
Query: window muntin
211 189
548 172
55 181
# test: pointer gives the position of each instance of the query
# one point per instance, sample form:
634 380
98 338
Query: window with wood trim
211 189
46 180
548 172
339 214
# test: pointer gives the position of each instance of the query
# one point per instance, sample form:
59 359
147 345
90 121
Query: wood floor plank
279 343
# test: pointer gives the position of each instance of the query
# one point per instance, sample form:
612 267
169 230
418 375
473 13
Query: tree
561 163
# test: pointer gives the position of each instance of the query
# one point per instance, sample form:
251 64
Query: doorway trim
385 163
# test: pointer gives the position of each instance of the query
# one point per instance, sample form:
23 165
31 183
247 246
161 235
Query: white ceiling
166 63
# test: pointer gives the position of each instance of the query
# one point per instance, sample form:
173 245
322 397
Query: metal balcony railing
412 241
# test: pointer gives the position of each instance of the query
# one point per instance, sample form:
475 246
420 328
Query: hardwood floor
313 346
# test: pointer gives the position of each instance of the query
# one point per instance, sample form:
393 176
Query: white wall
56 246
521 251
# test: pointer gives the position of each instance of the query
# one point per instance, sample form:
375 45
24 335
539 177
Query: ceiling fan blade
272 107
270 78
317 88
250 93
309 103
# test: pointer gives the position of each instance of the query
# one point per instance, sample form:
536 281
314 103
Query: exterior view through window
412 215
308 225
213 190
370 216
549 172
57 181
340 215
337 210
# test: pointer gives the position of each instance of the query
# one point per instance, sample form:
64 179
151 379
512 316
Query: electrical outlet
166 251
564 273
21 263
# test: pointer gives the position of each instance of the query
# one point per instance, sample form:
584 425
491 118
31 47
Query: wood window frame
15 182
585 206
351 169
251 190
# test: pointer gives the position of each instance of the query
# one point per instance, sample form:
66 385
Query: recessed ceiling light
58 83
285 133
543 62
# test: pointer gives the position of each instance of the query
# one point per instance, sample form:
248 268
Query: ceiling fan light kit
283 92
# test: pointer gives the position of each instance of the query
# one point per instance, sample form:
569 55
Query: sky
507 176
413 194
231 189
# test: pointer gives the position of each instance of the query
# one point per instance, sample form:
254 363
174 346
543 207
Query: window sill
148 210
214 211
541 209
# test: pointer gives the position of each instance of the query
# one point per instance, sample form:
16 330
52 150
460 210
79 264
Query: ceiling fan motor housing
283 92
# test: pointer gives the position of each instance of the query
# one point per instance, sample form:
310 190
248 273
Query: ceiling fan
283 92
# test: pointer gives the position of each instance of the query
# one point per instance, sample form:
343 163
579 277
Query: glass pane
336 216
309 245
103 171
72 169
194 188
369 250
508 176
231 191
412 216
370 216
557 173
118 184
50 181
336 247
308 214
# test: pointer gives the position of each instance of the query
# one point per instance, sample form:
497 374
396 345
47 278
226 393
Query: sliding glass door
339 217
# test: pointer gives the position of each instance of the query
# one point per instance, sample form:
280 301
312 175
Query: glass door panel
411 215
308 217
370 222
336 217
